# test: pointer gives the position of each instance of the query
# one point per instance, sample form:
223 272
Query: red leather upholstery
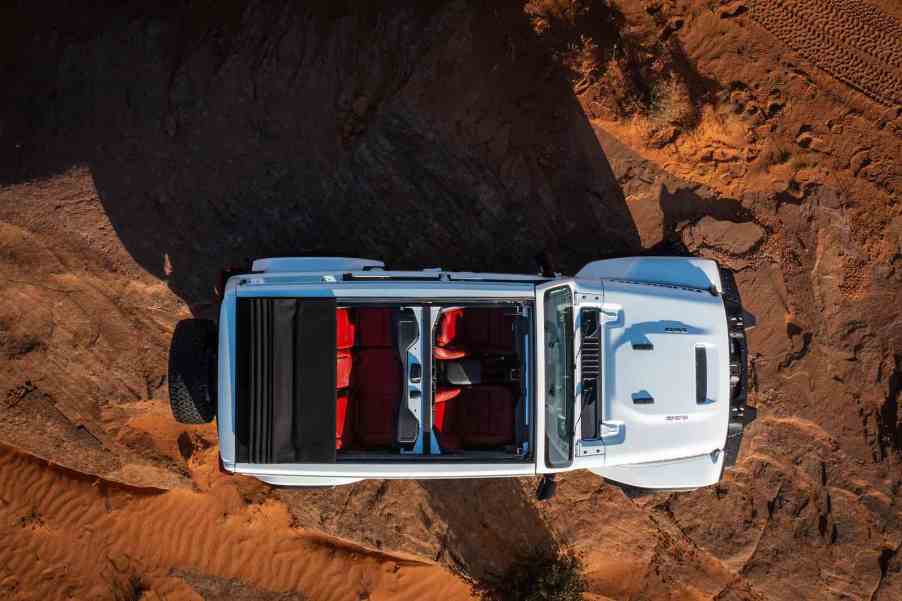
344 430
474 416
472 330
376 389
344 329
447 327
344 340
486 416
343 369
448 354
374 327
444 422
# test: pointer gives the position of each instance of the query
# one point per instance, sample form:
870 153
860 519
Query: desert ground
142 150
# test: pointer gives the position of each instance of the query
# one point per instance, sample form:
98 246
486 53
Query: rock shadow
423 134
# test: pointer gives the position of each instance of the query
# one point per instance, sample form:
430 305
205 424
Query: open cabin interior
475 402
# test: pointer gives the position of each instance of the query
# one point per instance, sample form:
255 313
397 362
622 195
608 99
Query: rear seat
473 416
343 369
345 334
368 377
376 389
374 328
463 332
344 421
345 329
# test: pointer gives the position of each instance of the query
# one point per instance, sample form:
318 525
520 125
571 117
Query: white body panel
674 321
314 264
392 471
685 271
667 445
677 474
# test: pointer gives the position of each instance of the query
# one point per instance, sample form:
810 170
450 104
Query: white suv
325 371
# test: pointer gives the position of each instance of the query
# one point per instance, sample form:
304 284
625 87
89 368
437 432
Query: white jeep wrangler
326 371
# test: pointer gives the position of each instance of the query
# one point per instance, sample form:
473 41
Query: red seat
344 430
374 327
444 422
462 332
343 369
344 329
376 388
474 416
344 418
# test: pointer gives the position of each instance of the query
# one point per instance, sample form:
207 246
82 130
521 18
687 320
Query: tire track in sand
67 535
851 40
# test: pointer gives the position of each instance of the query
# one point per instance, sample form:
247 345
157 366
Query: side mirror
749 320
547 266
547 487
224 275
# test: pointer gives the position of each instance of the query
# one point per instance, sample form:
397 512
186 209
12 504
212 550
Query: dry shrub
772 154
622 70
566 11
802 161
671 103
579 34
546 573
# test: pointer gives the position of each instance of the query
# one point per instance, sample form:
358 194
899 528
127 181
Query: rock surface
726 236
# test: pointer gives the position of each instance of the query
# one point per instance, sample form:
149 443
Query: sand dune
70 536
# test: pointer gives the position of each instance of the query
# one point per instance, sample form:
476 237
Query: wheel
731 446
192 371
728 283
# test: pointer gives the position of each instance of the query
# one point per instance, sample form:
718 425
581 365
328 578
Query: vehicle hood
665 357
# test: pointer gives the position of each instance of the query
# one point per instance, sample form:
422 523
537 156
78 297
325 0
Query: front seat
465 331
474 416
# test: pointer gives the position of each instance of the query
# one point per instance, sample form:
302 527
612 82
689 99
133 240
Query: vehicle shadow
684 204
423 134
490 523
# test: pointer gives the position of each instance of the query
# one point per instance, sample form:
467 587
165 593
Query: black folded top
286 358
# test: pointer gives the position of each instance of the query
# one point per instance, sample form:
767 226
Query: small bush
670 103
781 155
542 574
771 154
799 162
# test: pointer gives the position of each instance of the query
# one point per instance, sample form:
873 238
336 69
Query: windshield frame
560 372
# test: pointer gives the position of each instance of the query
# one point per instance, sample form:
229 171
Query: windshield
558 376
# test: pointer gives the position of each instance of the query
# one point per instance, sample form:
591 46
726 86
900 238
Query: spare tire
192 371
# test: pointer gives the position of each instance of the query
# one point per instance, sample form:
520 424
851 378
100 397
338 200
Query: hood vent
590 368
701 375
590 357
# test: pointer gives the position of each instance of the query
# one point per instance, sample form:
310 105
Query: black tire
730 289
192 371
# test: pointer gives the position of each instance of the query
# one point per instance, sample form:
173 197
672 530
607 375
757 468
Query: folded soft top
285 402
